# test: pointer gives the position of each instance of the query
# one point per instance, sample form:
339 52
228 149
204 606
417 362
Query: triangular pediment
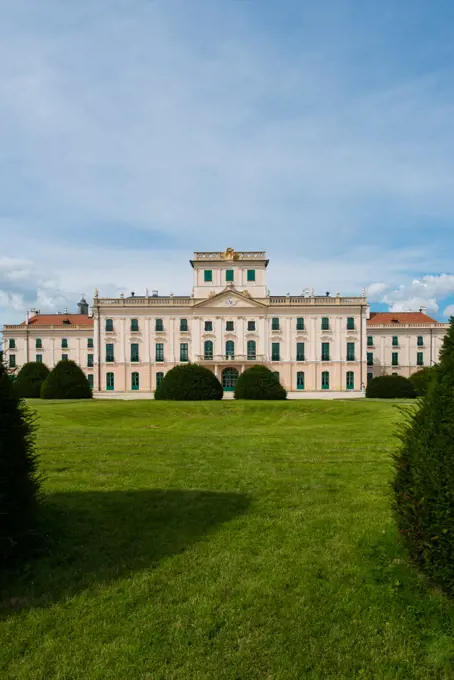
231 299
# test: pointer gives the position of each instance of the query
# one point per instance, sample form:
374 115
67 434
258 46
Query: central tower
216 272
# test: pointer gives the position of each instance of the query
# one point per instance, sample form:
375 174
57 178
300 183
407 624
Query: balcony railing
225 357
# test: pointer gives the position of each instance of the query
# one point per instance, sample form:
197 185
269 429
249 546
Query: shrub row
66 381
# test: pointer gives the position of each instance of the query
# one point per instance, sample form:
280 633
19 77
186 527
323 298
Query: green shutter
251 325
275 324
230 349
300 324
12 343
229 275
12 361
39 359
159 351
134 352
64 343
350 380
207 275
420 359
370 358
251 274
325 380
395 341
395 359
350 351
184 355
109 352
350 323
300 351
109 325
90 380
251 350
110 381
325 351
420 341
183 325
39 343
159 377
275 351
229 326
135 381
325 323
90 360
159 325
370 341
134 325
90 343
208 350
300 380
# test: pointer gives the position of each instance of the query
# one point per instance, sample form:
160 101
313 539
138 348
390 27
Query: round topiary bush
421 380
424 481
189 382
30 378
258 382
390 387
19 478
66 381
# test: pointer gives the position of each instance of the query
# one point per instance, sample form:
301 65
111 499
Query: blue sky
133 132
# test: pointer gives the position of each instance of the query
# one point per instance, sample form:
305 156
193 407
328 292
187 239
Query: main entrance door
229 378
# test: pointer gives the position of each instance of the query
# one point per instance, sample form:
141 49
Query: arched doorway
229 378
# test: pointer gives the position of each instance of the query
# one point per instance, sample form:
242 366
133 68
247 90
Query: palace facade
317 345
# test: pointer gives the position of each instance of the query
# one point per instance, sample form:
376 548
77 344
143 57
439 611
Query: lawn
223 541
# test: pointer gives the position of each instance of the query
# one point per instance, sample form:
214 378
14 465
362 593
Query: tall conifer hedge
424 481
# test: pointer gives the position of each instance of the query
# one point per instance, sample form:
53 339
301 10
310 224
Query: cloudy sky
133 132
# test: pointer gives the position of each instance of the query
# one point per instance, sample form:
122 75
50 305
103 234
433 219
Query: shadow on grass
95 537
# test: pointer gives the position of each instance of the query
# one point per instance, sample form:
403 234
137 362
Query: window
229 275
370 341
110 381
300 351
395 341
12 361
135 381
159 326
275 324
208 349
325 323
12 343
159 377
159 351
39 359
64 343
275 351
110 353
370 377
134 324
300 324
420 359
251 274
90 343
251 350
300 380
229 349
325 380
134 352
325 351
251 325
350 380
90 360
183 325
420 341
64 357
395 359
184 351
90 380
229 326
350 351
109 325
350 323
208 325
370 358
38 343
207 275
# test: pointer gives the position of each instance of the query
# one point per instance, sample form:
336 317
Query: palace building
317 345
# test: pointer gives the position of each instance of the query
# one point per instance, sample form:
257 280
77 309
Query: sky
133 132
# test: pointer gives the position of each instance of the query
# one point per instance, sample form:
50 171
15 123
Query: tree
30 378
421 380
258 382
19 478
390 387
66 381
189 382
424 480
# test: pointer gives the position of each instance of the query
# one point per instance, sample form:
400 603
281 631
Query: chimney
423 310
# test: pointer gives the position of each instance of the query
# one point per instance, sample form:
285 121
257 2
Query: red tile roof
60 320
378 318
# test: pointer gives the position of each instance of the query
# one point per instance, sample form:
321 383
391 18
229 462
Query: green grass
220 541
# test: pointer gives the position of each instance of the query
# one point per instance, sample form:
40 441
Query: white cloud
449 311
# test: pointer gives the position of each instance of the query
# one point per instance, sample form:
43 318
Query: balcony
223 358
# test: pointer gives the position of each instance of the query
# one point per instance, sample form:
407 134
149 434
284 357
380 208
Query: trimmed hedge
30 378
421 380
189 382
66 381
390 387
424 481
258 382
19 478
